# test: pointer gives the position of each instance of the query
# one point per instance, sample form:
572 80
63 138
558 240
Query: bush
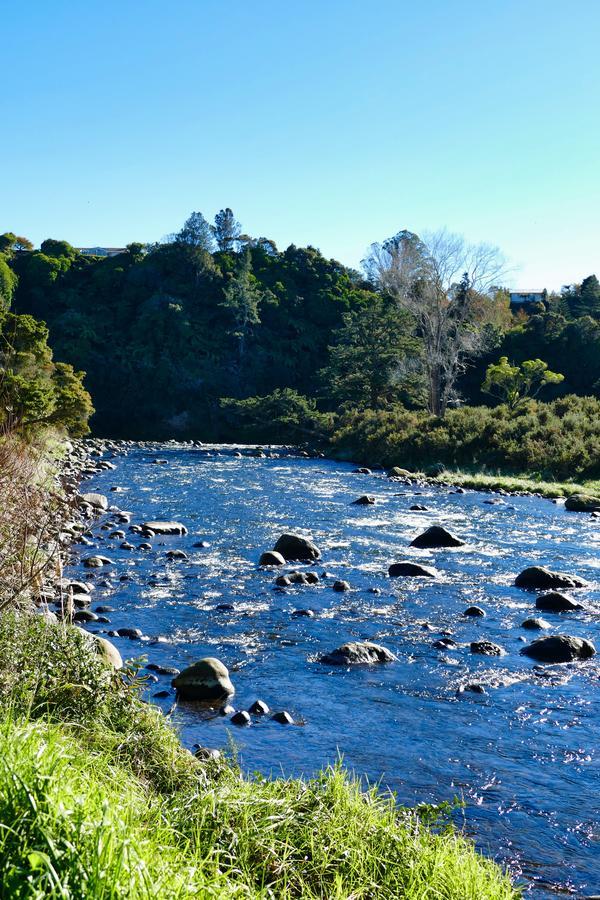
558 440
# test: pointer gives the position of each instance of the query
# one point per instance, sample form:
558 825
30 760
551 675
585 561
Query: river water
524 756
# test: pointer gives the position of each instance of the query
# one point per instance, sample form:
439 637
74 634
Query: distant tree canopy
166 331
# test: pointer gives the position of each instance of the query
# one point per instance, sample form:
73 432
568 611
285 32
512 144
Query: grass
481 481
98 799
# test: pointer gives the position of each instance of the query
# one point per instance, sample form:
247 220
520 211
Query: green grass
98 799
481 481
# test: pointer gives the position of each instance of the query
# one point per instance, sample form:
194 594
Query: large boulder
411 570
554 601
98 501
539 578
271 558
165 527
296 547
206 680
358 653
437 536
558 648
582 503
108 652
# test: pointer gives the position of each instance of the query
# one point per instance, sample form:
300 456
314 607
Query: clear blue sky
325 122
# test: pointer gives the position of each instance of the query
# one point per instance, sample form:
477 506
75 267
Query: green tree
226 230
513 385
374 359
196 232
242 300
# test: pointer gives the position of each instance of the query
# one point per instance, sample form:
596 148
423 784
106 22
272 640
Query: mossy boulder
206 680
582 503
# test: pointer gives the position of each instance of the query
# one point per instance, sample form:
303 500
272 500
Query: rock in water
98 501
164 527
206 680
582 503
96 562
356 653
487 648
397 472
271 558
296 547
365 500
412 570
474 611
554 601
559 648
437 536
542 579
341 586
535 624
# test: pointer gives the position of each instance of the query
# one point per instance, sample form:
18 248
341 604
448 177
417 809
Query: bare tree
443 282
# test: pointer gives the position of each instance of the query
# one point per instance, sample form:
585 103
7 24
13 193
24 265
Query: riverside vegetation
98 798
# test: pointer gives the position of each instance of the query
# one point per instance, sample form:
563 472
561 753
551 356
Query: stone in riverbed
96 562
241 718
271 558
582 503
559 648
108 652
341 586
283 718
365 500
206 680
397 472
362 471
165 527
474 611
437 536
131 633
259 708
554 601
411 570
296 547
487 648
97 501
543 579
356 653
176 554
535 624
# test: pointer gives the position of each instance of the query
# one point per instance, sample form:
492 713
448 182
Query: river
523 756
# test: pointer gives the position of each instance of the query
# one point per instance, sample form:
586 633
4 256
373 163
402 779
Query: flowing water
524 756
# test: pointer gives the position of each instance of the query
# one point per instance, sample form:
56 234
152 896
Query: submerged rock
474 611
356 653
259 708
241 718
296 547
541 578
206 680
554 601
559 648
437 536
176 554
365 500
411 570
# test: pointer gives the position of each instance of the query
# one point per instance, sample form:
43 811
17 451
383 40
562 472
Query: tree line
191 336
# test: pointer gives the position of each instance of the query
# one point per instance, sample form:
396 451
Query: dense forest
213 334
